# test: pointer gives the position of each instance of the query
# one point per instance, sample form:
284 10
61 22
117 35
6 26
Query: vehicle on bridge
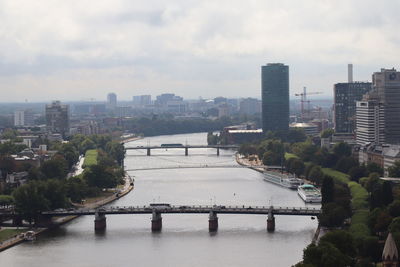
160 205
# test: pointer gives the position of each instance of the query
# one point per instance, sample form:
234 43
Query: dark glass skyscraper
275 97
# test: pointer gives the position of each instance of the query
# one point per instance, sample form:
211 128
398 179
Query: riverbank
19 237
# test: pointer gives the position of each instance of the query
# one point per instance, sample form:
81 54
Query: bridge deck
191 210
184 146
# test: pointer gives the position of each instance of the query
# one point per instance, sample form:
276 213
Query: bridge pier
99 221
156 222
271 221
212 222
186 151
217 151
148 152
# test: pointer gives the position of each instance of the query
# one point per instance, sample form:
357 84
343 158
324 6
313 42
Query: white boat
30 236
309 193
282 179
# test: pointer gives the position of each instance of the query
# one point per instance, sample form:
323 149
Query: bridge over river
157 209
186 147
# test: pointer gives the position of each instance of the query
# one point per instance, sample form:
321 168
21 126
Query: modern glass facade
275 97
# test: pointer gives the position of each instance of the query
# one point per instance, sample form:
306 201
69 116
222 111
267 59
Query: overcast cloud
81 49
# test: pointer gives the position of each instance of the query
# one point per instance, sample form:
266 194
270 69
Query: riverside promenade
17 239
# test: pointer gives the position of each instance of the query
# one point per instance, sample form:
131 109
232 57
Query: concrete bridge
186 147
200 166
157 209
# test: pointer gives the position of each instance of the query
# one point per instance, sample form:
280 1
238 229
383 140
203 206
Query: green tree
327 133
344 164
55 194
316 175
357 172
30 200
342 149
326 255
373 167
327 190
394 171
296 166
387 194
333 215
342 240
394 209
296 135
116 150
6 200
57 167
100 176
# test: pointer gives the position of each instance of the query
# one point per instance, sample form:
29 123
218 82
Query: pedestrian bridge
157 209
185 147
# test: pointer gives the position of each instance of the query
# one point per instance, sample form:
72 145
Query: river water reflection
241 240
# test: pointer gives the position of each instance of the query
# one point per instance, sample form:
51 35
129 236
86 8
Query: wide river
241 240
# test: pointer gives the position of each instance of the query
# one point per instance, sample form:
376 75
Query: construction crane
303 99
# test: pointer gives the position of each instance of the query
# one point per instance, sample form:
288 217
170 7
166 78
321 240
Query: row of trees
48 187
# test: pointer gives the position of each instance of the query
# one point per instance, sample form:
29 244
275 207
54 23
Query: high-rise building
57 118
387 85
370 121
378 114
23 118
345 97
111 101
275 97
142 100
250 106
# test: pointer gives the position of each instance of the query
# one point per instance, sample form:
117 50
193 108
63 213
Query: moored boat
309 193
282 179
30 236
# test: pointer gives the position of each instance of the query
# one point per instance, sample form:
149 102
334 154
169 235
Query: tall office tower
275 97
345 97
57 118
370 120
111 101
387 85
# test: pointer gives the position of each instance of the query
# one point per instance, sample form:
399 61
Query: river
241 240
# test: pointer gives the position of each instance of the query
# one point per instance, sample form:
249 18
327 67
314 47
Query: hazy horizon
78 50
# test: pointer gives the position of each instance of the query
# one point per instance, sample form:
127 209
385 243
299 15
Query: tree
296 135
394 170
296 166
373 167
30 200
316 175
57 167
342 240
333 215
116 150
357 172
327 133
394 209
327 190
345 164
342 149
100 176
325 254
387 194
55 194
6 200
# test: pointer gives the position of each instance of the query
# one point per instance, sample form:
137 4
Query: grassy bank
9 233
90 158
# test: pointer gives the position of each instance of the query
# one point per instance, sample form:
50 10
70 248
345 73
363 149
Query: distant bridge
186 147
157 209
201 166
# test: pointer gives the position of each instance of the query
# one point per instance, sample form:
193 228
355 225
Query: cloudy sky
81 49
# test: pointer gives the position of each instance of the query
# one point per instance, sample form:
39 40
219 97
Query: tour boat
282 179
30 236
309 193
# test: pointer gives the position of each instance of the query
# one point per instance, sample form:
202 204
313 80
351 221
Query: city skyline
77 51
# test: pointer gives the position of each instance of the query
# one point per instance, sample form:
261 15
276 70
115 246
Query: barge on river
282 179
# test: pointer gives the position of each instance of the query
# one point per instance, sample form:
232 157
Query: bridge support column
17 220
156 222
186 151
217 151
212 222
99 222
148 152
270 222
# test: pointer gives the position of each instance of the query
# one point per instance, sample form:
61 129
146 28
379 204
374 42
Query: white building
23 118
370 122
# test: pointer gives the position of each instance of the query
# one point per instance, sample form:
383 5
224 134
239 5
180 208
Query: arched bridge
186 147
157 209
